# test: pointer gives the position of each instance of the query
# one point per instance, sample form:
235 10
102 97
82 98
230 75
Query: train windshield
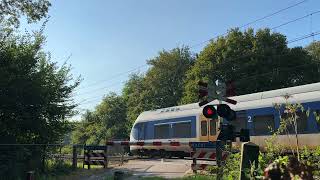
138 132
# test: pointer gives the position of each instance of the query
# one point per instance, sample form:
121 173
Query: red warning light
210 111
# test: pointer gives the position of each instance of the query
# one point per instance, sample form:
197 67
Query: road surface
167 168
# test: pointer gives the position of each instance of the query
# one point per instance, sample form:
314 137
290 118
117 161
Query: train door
208 129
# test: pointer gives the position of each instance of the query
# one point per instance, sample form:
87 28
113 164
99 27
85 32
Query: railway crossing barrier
208 152
95 158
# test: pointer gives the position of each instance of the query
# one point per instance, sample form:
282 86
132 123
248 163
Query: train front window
204 129
263 124
182 129
162 131
139 131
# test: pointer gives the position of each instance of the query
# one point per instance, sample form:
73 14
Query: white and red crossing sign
208 155
204 153
204 158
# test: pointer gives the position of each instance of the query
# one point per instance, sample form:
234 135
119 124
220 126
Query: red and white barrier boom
147 143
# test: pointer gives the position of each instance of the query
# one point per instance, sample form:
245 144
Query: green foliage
164 81
254 61
33 10
161 86
134 96
314 50
230 168
35 99
107 121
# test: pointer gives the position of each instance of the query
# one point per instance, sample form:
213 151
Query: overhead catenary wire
252 22
115 76
239 57
102 88
294 20
272 28
304 37
192 46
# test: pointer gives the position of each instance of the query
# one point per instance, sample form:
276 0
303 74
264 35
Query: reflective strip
208 155
126 143
157 143
140 143
174 143
204 155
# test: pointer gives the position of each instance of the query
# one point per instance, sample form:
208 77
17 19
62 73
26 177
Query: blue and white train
255 112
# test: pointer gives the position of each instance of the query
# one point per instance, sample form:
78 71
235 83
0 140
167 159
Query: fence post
194 160
122 155
88 155
84 156
219 159
74 157
106 157
249 157
30 175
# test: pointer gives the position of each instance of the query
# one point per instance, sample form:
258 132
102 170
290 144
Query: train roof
297 94
279 92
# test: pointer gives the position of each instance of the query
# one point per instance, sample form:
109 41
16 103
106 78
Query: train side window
162 131
182 130
213 127
262 124
302 122
204 128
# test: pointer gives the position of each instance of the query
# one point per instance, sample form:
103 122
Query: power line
192 46
272 14
114 76
247 24
252 22
294 20
102 88
233 59
304 37
277 70
253 53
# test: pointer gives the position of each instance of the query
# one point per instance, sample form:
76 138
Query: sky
107 40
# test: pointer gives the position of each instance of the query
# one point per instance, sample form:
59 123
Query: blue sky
104 38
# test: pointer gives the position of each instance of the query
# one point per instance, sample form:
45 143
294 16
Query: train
255 112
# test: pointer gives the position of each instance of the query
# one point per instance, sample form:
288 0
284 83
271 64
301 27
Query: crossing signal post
203 93
221 91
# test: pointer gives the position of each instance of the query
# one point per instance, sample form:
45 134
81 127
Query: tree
314 50
11 11
254 61
107 121
133 94
35 98
164 81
